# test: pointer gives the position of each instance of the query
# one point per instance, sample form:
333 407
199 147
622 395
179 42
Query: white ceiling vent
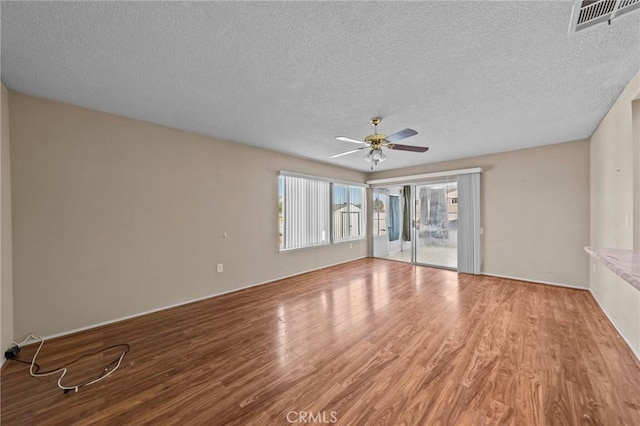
591 12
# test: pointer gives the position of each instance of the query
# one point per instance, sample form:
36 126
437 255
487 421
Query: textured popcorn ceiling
471 77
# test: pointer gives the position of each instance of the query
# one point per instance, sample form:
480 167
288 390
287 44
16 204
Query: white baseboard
637 355
536 281
175 305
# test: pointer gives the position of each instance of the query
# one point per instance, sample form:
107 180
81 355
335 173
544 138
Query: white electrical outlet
350 245
220 267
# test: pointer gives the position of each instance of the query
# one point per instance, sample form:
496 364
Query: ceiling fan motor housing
376 140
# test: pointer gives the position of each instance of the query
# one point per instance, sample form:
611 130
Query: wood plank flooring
369 342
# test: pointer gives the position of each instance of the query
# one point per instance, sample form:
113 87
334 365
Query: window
348 212
314 211
304 205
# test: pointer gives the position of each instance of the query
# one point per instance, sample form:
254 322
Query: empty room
351 213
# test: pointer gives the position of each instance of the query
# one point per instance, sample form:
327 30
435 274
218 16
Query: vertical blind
469 258
306 212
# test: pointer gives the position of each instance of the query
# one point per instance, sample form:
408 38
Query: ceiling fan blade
411 148
402 134
346 139
348 152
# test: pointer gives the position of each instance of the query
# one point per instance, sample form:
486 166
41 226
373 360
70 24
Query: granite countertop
625 263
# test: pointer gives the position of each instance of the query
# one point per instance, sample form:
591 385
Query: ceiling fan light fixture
375 156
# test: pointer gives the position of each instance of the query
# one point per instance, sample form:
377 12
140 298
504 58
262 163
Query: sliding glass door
436 224
425 224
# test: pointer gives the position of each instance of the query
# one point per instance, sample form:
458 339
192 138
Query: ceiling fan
374 143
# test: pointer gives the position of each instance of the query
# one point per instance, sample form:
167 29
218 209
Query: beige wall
535 211
6 275
612 201
114 216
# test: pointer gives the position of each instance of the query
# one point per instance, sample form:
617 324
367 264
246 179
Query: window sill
303 248
349 240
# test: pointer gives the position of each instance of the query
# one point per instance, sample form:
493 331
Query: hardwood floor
369 342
